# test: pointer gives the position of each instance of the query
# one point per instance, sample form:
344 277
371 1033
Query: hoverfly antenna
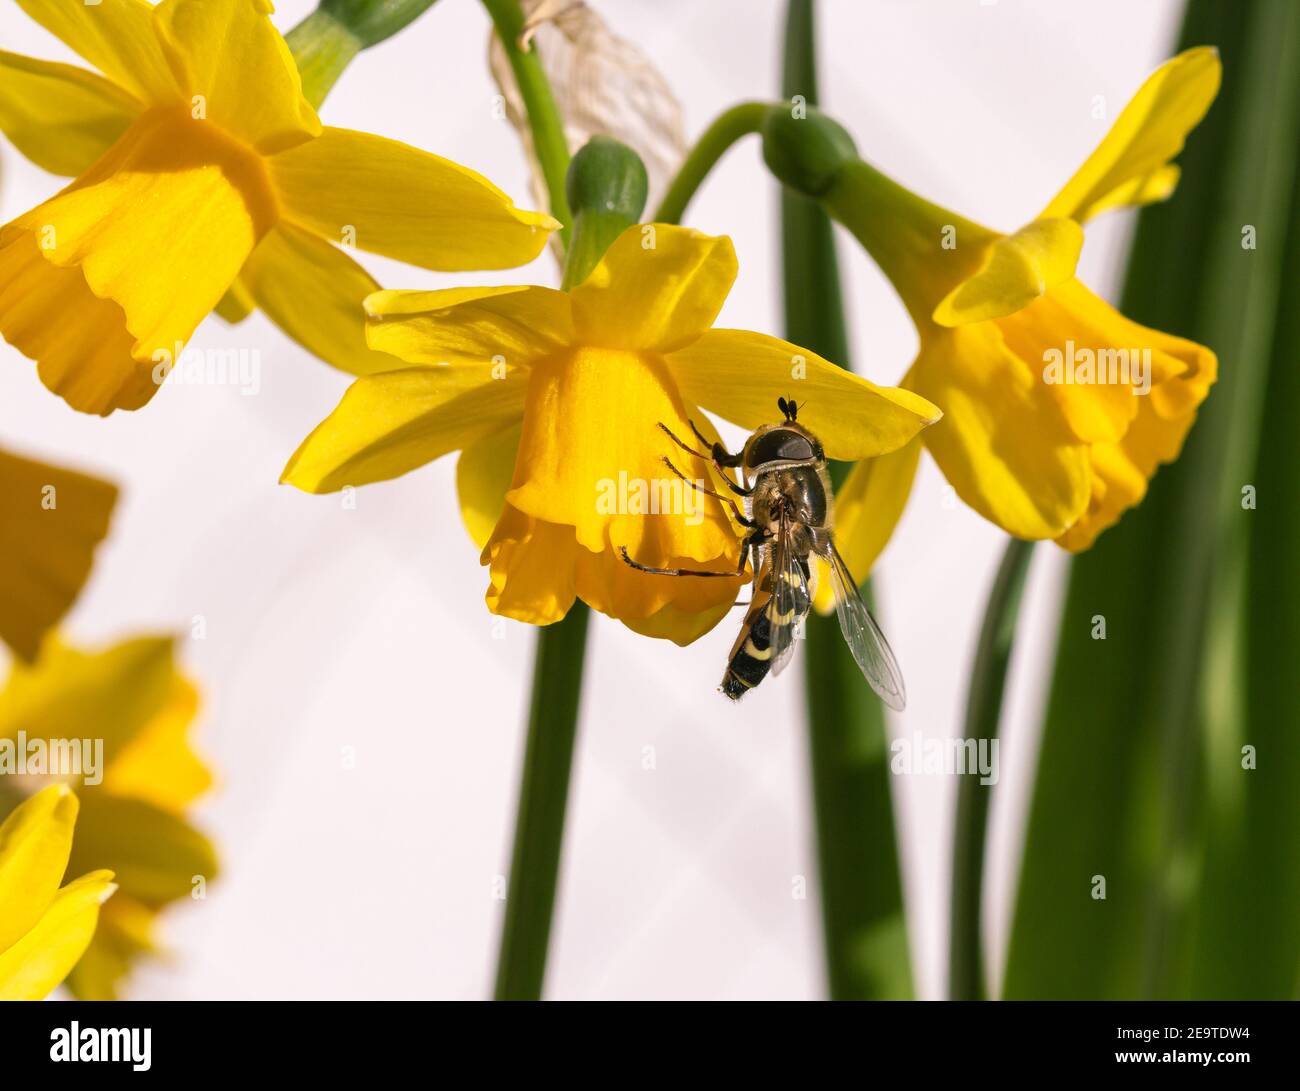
784 407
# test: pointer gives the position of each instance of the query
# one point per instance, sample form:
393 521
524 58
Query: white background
329 628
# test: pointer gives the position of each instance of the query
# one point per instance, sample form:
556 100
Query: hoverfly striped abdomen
774 612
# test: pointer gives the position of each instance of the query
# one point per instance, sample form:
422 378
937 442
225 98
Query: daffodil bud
325 43
606 188
804 148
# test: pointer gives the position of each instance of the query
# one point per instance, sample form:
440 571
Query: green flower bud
607 177
805 149
371 21
606 188
324 43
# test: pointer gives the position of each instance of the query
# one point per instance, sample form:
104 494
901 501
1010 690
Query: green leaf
861 892
1140 782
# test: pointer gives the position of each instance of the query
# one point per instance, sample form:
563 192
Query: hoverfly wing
790 597
865 640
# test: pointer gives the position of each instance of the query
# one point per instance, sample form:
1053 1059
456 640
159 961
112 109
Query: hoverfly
787 516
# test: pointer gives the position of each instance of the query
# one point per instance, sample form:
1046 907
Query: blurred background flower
53 520
43 928
132 697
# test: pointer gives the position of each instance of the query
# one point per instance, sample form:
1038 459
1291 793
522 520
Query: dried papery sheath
603 84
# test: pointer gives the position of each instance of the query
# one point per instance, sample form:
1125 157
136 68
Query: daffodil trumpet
1058 409
205 181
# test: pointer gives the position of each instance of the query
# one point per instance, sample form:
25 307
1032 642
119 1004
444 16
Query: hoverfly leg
745 547
741 518
718 455
682 443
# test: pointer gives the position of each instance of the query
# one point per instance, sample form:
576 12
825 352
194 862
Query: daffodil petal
54 519
31 968
537 569
739 375
389 198
483 474
1019 269
35 842
152 237
158 765
867 509
505 327
658 287
155 854
389 424
117 37
88 362
313 291
1149 132
532 568
1122 470
1003 443
60 117
236 70
683 627
665 607
119 689
238 303
124 932
1097 364
1157 186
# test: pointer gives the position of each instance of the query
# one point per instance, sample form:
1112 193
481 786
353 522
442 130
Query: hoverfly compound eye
781 444
795 448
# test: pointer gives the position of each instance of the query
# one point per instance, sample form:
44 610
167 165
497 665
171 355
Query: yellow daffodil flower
44 929
1057 409
204 178
51 520
554 399
131 697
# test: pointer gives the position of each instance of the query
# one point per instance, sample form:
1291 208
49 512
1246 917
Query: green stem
983 712
544 118
322 47
543 798
730 126
606 185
